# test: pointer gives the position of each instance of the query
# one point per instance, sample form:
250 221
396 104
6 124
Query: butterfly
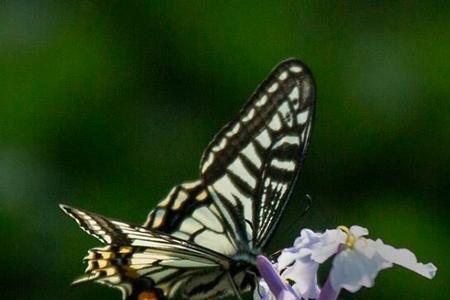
201 241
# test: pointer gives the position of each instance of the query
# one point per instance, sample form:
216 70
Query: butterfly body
201 241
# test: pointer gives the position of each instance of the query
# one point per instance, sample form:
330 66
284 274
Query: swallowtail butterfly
202 240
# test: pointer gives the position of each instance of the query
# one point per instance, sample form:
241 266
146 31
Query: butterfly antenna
292 224
308 205
275 255
305 210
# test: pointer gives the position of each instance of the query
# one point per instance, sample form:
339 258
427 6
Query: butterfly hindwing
189 212
133 252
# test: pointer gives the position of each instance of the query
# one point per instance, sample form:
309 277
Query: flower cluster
357 261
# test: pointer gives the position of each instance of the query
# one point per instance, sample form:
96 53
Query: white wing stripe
249 115
290 139
287 165
302 117
294 94
208 218
262 101
241 171
226 188
264 139
275 123
250 153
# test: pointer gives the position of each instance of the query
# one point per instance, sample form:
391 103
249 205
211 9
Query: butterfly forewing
251 165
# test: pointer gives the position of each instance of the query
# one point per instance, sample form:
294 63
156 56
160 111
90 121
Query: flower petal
304 273
352 269
359 231
406 259
286 295
262 291
302 247
307 238
328 245
287 257
366 246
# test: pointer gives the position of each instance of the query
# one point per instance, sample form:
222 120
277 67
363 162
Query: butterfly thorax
245 258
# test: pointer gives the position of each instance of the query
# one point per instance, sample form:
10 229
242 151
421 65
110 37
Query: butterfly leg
235 288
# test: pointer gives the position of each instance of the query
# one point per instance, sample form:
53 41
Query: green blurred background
105 105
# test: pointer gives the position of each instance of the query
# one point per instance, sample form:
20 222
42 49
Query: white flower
356 264
295 264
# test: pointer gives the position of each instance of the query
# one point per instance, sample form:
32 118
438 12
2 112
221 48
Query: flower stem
328 293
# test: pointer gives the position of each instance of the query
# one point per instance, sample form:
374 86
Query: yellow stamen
351 239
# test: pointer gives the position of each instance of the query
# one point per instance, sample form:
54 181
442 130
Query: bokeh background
105 105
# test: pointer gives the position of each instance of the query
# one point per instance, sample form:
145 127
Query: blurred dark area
105 105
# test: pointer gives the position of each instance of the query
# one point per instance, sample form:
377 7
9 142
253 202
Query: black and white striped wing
252 164
136 258
190 239
248 170
190 213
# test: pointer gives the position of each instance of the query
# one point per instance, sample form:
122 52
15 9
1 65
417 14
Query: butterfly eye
148 296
